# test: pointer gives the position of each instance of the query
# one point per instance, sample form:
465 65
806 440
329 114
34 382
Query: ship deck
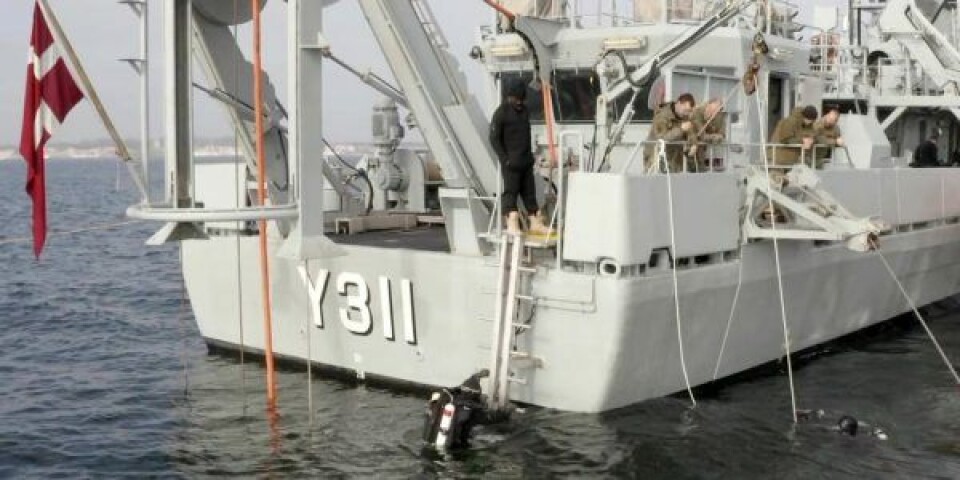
427 238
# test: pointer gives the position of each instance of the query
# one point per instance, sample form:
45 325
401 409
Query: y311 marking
356 316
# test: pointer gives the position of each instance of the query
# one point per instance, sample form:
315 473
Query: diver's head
847 425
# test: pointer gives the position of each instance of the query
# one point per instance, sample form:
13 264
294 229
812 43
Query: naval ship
397 267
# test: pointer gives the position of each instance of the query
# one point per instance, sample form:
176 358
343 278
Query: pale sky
104 31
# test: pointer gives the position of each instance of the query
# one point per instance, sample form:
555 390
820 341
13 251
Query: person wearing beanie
511 139
793 138
927 154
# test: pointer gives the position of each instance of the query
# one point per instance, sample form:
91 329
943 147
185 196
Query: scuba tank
446 433
452 413
432 416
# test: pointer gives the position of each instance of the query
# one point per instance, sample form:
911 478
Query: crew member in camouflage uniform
828 135
671 124
793 138
710 128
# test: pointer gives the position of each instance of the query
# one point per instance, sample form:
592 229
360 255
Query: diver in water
846 424
452 413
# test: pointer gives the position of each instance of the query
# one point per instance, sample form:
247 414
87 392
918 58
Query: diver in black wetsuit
846 424
452 414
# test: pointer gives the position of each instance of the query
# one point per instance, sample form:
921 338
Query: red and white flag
51 94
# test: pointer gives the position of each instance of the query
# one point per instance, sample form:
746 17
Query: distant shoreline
100 152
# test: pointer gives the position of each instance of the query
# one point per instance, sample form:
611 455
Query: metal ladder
429 21
438 42
505 326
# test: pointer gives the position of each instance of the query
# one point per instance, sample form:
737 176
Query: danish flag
50 95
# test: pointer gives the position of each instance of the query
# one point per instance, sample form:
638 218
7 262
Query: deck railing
716 157
616 13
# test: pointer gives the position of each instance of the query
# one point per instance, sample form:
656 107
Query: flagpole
91 93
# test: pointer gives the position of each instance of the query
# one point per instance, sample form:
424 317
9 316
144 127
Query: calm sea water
103 374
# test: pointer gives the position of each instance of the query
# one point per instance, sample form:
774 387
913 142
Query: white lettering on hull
356 315
358 303
386 308
315 292
409 329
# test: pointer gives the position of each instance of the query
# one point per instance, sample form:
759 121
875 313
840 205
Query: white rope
776 255
181 321
733 308
736 293
309 332
95 228
236 196
676 291
916 312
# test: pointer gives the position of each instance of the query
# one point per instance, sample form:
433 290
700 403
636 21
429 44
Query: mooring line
181 321
673 255
733 309
776 254
309 333
916 312
95 228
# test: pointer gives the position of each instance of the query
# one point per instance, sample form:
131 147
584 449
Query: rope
548 115
181 320
736 293
723 106
673 256
309 331
362 174
776 254
95 228
236 187
262 197
733 308
916 313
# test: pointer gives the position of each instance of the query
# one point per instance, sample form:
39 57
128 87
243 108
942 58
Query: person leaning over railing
828 135
710 129
793 138
672 125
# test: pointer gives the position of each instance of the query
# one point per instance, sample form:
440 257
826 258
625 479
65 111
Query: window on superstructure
643 108
575 95
706 83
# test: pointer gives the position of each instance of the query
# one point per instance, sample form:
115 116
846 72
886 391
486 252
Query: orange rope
500 8
548 116
262 196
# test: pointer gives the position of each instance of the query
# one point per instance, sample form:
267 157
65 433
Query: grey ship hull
604 341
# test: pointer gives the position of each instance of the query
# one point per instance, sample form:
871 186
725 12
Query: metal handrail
497 215
807 158
691 11
556 222
168 213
